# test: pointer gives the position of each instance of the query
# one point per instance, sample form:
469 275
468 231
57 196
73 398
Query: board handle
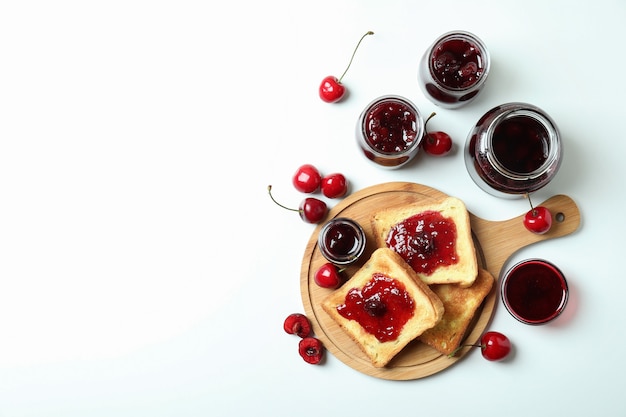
501 239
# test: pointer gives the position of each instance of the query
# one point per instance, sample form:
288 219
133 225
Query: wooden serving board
495 242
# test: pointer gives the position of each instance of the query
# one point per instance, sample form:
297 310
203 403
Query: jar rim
553 138
420 129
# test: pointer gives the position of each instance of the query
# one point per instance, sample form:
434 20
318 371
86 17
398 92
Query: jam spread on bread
425 241
382 307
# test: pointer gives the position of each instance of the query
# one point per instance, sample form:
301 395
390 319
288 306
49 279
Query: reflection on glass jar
513 149
454 69
389 131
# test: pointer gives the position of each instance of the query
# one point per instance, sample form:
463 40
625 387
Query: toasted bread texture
384 306
434 238
461 305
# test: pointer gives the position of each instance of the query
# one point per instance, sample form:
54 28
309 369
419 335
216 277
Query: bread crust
460 306
465 270
428 308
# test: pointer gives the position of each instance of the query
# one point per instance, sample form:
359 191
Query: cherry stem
531 203
455 351
269 191
354 53
433 114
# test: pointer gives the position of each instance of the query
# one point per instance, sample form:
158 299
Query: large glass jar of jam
513 149
389 131
454 69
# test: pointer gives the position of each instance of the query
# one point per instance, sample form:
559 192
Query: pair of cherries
310 348
307 179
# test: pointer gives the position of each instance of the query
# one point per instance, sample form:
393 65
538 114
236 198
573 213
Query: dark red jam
454 69
342 241
382 307
425 241
457 63
390 126
513 149
520 144
534 291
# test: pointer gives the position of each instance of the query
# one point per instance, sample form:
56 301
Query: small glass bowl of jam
454 69
514 149
341 241
534 291
389 131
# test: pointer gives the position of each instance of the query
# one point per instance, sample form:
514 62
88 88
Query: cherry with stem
436 143
494 346
538 219
331 89
311 210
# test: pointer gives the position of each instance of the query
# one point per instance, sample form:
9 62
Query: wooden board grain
495 242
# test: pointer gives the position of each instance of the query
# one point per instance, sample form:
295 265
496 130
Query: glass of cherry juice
534 291
513 149
389 131
454 69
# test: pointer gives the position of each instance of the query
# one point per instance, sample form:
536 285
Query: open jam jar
513 149
341 241
454 69
534 291
389 131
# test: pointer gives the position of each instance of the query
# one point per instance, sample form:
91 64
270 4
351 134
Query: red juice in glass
534 291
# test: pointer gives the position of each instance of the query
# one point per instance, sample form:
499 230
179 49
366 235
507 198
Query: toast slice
434 238
384 306
460 306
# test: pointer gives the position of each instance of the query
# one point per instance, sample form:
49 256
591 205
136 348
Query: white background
145 272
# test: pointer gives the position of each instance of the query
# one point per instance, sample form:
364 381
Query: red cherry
298 324
538 220
437 143
307 179
494 346
311 209
334 185
331 90
311 350
327 276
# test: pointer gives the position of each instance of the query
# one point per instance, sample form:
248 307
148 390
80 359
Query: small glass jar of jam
341 241
389 131
513 149
534 291
454 69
